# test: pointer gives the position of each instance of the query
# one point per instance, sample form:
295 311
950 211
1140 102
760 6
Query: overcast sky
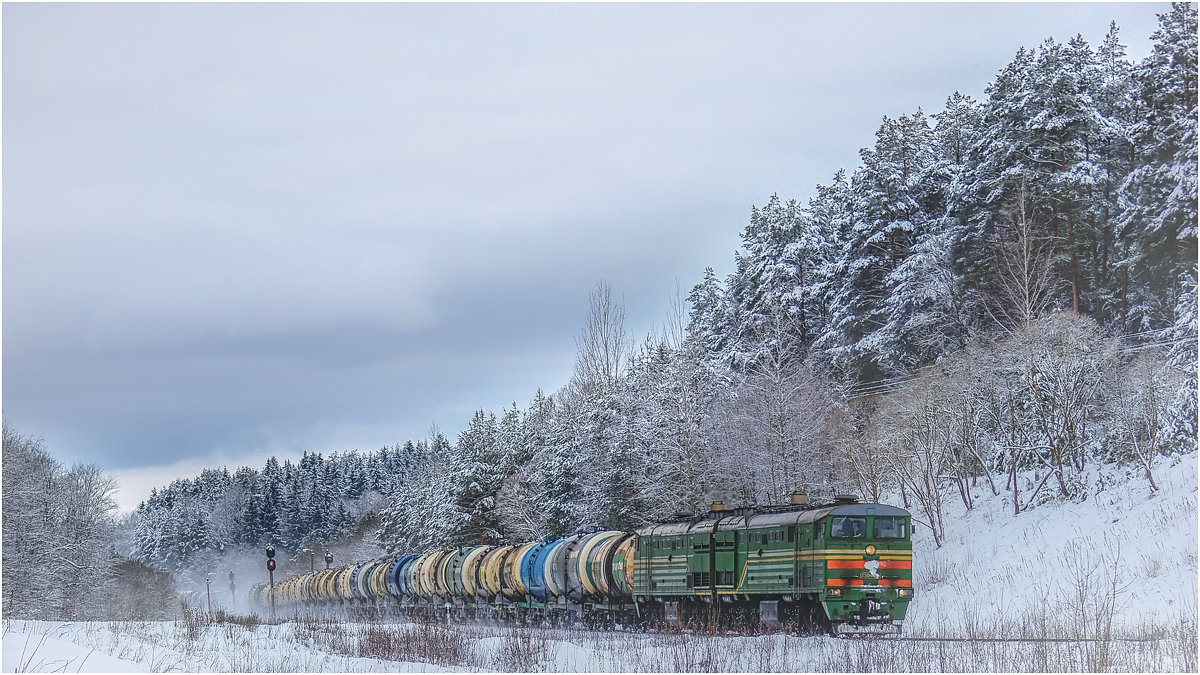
236 230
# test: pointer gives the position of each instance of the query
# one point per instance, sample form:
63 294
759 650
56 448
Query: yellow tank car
470 570
492 566
510 574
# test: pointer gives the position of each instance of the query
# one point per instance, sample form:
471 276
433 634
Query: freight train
840 567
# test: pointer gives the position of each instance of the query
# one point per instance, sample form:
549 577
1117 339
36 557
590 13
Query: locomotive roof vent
799 498
845 499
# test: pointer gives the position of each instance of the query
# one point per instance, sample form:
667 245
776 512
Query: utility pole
208 587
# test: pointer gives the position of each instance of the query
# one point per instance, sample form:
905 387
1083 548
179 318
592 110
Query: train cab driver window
847 527
890 527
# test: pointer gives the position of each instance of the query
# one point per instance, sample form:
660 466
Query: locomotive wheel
805 617
739 618
687 616
696 616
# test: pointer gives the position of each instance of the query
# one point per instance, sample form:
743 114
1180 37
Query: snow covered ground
347 647
145 647
1118 569
1124 551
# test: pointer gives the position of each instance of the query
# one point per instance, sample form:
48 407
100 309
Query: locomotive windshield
890 527
849 527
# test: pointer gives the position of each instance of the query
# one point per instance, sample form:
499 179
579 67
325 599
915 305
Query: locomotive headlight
833 592
871 549
904 592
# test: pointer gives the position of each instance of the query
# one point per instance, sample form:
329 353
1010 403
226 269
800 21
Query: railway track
551 627
914 638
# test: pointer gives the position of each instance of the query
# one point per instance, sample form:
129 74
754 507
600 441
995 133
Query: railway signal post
271 578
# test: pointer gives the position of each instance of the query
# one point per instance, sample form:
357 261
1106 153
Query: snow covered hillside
1124 554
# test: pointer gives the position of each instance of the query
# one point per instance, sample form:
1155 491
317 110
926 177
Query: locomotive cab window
891 527
849 527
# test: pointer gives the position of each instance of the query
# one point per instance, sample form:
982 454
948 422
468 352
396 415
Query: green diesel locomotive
845 566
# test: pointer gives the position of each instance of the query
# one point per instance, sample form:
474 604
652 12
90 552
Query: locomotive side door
724 560
700 563
807 558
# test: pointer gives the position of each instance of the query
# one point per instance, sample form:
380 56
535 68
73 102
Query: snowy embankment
165 646
322 645
1124 554
331 646
1113 578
